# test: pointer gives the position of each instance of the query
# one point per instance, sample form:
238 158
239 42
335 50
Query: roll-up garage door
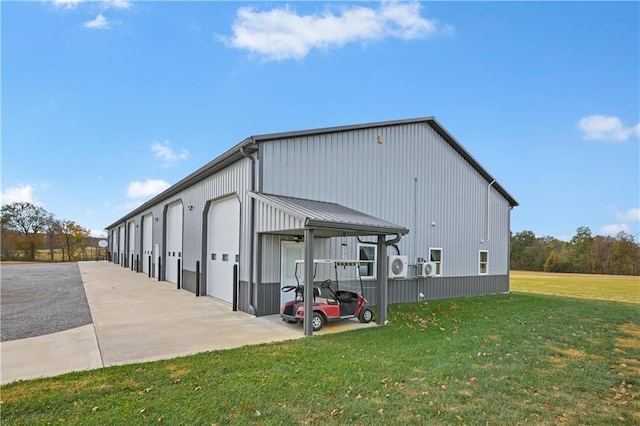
173 250
132 244
114 246
121 244
223 243
147 243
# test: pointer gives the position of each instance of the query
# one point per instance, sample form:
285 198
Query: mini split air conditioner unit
425 269
397 267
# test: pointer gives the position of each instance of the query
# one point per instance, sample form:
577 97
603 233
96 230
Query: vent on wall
397 267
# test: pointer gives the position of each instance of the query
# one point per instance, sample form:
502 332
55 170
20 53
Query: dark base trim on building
401 291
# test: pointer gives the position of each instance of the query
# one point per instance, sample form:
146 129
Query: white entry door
223 247
289 253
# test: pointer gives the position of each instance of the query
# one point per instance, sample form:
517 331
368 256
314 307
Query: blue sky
105 103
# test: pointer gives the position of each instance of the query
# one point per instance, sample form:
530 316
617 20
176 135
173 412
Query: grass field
502 359
620 288
45 255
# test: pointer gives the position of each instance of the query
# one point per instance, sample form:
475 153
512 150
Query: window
367 253
484 262
435 256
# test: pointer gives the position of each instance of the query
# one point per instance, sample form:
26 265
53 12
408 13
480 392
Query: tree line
584 253
28 229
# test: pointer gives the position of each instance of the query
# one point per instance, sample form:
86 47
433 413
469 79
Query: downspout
252 309
488 208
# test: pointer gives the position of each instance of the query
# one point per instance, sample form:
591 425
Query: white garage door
114 245
121 244
223 242
174 242
147 242
132 244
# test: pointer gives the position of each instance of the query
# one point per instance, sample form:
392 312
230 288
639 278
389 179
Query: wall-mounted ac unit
425 269
397 267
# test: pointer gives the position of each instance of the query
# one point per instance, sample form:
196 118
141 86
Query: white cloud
147 188
631 215
606 128
165 153
100 23
116 4
98 233
613 229
17 194
69 4
106 4
281 33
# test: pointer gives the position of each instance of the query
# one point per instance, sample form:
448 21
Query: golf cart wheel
317 321
366 315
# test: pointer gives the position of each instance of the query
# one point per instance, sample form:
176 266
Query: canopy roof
294 215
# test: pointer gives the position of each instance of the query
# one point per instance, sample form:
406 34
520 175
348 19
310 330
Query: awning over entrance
277 214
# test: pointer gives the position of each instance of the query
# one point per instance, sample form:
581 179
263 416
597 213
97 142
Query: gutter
252 309
489 208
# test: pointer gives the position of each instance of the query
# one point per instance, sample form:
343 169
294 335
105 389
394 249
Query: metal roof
250 145
330 218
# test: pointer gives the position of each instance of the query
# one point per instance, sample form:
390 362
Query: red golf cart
330 303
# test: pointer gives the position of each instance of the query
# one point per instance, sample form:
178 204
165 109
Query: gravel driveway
41 298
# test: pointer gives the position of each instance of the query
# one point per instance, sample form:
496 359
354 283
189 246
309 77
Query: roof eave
229 157
365 229
435 125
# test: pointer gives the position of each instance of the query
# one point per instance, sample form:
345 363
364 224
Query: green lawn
620 288
503 359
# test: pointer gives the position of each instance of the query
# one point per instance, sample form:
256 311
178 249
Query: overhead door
174 243
121 244
147 243
223 247
114 246
132 244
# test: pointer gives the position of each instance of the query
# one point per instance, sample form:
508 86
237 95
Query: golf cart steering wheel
325 284
288 288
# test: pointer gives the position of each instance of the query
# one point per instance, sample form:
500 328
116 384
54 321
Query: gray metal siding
442 288
402 291
235 179
271 245
270 218
412 179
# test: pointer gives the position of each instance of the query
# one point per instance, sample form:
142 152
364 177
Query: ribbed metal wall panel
235 179
402 291
270 218
413 179
271 246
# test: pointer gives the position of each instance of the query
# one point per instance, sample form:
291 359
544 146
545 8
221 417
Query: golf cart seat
346 296
299 290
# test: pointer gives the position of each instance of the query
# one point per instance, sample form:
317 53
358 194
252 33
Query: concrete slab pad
138 319
50 355
141 319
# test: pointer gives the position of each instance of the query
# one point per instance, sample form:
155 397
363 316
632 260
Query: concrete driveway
137 319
